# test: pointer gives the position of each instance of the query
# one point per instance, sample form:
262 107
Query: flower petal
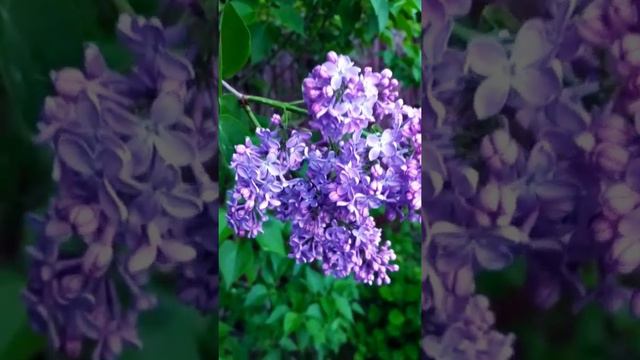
141 149
625 254
166 110
537 87
531 44
457 7
75 153
142 258
493 256
175 147
94 63
629 225
374 153
491 96
180 206
177 251
486 56
541 160
174 67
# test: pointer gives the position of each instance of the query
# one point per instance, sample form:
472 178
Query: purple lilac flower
350 171
525 70
135 194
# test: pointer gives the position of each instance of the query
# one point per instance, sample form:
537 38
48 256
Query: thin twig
259 99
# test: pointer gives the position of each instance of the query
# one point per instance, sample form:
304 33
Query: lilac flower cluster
133 154
367 156
529 152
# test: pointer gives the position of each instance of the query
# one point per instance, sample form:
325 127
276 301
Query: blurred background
558 333
36 37
271 308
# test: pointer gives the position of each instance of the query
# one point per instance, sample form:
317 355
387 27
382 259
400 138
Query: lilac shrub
531 150
134 195
359 152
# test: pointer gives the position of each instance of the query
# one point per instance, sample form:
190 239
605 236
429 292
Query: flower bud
622 14
602 229
97 258
57 229
614 129
433 184
619 199
625 254
276 120
611 158
627 51
308 83
585 141
489 197
327 91
84 218
332 56
461 282
499 150
69 82
593 27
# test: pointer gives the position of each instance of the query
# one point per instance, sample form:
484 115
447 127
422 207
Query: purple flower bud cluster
134 193
530 152
614 26
367 156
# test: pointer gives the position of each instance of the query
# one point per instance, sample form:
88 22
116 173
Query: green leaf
381 8
279 264
314 327
235 42
277 313
396 317
313 280
290 18
273 354
271 239
17 340
224 231
245 257
357 308
262 36
291 322
343 307
184 324
314 311
233 131
223 329
227 261
245 11
257 293
287 344
350 13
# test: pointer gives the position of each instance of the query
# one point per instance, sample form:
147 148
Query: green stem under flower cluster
245 99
